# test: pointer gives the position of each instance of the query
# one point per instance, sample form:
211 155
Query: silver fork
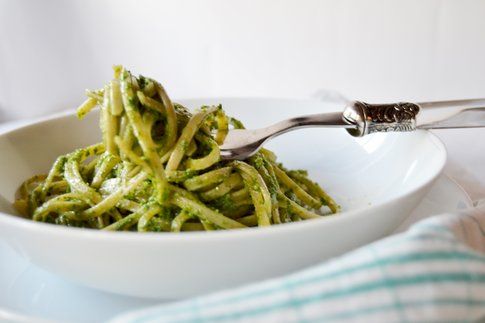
360 119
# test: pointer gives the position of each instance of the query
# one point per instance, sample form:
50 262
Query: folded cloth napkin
434 272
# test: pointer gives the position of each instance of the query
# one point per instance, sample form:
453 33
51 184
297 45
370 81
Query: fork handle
405 116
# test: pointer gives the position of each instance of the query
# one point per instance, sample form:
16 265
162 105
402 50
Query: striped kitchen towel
434 272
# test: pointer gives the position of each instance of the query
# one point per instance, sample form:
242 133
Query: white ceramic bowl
377 180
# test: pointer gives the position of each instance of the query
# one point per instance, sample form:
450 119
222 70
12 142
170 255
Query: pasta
158 168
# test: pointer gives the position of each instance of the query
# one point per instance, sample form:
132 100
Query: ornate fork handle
403 116
370 118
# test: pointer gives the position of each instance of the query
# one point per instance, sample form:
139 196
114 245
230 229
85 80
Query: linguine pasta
158 168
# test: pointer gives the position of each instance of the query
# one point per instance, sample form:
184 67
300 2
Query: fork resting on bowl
360 119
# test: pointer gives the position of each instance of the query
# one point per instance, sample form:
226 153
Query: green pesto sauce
224 203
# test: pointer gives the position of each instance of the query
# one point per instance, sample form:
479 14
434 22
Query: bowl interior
357 172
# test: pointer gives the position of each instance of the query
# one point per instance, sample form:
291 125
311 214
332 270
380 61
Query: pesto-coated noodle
158 168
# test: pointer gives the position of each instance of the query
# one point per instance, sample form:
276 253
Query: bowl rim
7 219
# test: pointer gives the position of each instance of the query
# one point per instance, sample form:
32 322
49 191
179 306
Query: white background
374 50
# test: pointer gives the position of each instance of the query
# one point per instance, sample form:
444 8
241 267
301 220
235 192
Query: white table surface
466 158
